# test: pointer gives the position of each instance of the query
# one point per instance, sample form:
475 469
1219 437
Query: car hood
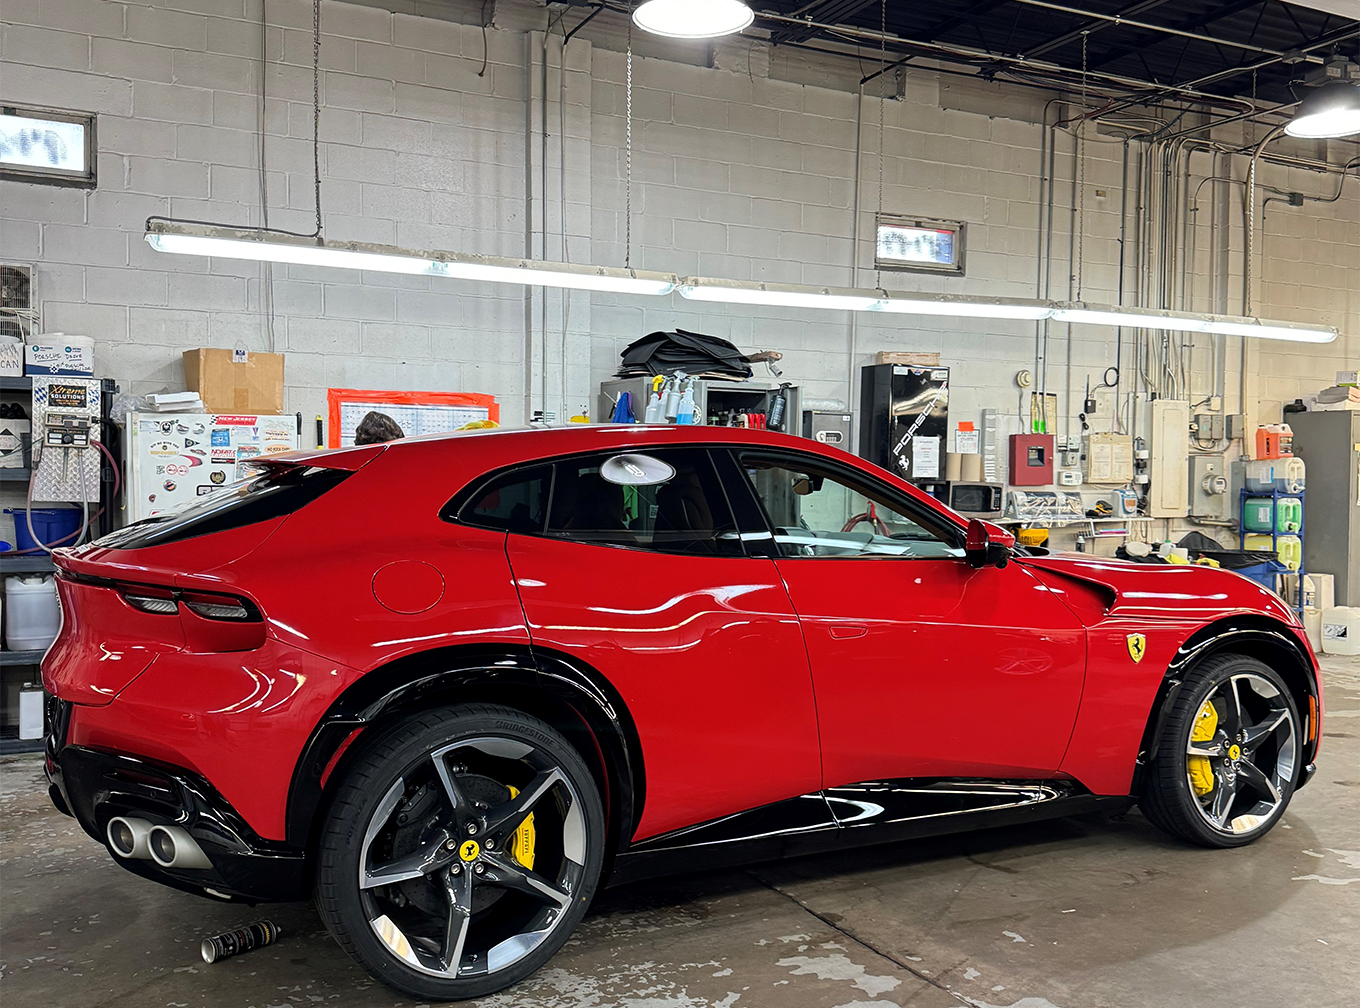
1152 591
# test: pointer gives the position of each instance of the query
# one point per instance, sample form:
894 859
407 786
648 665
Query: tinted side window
279 491
819 513
687 513
513 502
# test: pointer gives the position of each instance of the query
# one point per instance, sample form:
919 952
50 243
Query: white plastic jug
1287 475
32 613
1312 626
1341 630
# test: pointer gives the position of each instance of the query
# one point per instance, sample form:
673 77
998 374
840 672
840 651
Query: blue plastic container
54 526
1264 573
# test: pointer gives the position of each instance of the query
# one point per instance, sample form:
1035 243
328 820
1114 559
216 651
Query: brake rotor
424 814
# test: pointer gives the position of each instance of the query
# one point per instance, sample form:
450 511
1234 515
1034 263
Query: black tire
1169 799
367 836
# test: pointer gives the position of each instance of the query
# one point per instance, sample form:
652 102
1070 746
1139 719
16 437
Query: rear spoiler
350 459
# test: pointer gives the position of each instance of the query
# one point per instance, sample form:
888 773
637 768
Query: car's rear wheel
460 852
1225 765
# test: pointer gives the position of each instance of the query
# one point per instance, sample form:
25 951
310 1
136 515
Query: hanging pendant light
693 19
1332 110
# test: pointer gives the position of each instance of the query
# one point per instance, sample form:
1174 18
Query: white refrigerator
175 458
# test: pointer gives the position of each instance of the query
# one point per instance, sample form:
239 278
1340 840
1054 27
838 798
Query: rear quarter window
277 492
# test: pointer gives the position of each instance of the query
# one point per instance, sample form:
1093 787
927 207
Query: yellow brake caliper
1201 773
522 840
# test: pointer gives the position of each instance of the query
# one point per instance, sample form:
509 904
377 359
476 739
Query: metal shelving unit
1275 533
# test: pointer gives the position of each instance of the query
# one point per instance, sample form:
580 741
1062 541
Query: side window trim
753 521
797 460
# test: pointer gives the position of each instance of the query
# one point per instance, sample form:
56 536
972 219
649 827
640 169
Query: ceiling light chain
882 105
628 153
316 107
1081 172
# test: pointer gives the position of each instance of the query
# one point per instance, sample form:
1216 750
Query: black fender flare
535 680
1259 635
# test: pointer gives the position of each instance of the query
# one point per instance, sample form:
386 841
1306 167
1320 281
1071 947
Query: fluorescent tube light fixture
1333 110
228 243
964 306
1298 332
1138 318
693 19
777 295
186 238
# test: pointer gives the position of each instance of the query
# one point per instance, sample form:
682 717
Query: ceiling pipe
1164 29
948 49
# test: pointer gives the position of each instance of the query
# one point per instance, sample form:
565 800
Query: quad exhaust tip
172 847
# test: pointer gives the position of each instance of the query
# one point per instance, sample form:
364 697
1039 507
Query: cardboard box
913 358
1348 377
235 381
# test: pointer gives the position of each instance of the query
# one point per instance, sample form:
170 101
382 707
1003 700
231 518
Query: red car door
922 666
650 586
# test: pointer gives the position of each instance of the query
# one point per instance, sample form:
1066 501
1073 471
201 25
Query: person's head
375 428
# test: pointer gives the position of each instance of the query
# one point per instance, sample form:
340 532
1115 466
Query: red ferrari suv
450 686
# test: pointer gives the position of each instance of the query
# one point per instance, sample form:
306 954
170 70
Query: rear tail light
199 622
221 607
166 601
152 603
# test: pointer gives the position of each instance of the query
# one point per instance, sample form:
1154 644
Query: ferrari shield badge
1137 646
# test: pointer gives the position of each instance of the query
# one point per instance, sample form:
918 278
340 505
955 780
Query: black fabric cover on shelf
665 353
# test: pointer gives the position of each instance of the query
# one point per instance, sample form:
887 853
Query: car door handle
846 630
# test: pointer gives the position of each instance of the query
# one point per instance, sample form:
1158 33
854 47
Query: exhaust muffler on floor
172 847
129 838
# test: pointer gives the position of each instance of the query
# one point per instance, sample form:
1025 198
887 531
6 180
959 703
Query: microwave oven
975 500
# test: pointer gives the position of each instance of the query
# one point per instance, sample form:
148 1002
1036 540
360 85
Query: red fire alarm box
1031 459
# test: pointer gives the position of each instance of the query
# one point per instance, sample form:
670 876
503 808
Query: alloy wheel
1242 772
473 857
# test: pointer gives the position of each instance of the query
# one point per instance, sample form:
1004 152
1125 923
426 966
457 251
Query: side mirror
987 545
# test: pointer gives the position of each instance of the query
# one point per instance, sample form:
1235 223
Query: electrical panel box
1235 427
1108 458
1209 427
1209 487
1031 460
1169 494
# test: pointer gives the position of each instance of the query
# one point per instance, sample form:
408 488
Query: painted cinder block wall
743 166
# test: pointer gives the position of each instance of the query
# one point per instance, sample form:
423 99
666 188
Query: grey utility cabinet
1328 441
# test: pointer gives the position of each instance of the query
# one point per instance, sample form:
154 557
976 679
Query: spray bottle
685 411
656 403
673 395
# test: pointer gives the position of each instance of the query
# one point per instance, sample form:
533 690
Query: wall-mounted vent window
56 148
909 243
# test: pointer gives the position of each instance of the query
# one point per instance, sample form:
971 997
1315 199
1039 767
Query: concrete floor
1073 914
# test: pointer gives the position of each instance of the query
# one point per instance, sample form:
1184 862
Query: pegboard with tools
66 424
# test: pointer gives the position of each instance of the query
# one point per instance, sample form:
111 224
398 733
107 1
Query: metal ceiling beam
1148 26
834 11
1090 27
972 56
965 17
1189 24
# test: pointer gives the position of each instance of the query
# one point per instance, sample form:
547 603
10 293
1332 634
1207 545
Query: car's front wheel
1225 765
460 851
